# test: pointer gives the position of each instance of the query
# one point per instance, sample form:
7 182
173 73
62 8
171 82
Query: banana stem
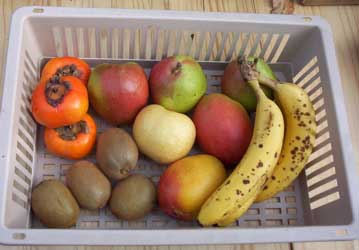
257 89
267 81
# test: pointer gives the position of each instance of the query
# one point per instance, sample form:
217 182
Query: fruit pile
262 159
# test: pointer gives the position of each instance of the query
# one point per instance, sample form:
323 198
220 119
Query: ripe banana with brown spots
249 176
299 138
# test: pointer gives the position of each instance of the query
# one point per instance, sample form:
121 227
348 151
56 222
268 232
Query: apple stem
177 69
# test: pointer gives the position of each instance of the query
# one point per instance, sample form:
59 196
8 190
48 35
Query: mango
186 184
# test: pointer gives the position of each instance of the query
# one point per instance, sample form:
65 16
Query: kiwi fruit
54 205
88 184
116 153
133 197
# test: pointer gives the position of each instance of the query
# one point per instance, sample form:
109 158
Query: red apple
223 128
118 92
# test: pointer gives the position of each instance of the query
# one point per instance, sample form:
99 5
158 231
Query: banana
239 211
249 176
300 133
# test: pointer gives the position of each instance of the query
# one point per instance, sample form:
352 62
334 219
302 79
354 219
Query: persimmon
59 102
66 66
73 141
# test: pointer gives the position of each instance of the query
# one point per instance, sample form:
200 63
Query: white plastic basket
321 205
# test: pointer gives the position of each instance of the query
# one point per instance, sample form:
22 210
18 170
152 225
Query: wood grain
345 24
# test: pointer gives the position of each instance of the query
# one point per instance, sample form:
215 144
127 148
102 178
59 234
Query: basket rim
174 236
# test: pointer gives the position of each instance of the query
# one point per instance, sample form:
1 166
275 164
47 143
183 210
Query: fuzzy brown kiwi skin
133 197
89 185
116 153
54 205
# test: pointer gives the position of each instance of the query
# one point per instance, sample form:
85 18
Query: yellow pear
164 136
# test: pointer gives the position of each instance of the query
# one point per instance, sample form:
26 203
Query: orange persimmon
66 66
60 102
74 141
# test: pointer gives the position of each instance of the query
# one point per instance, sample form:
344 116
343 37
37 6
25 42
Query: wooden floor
345 25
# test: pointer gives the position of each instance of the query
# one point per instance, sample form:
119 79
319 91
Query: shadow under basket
320 205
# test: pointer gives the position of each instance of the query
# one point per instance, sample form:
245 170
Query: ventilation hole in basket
308 78
323 188
19 200
242 45
292 221
273 222
24 151
27 116
21 188
27 128
145 46
252 223
199 44
232 41
320 115
172 42
273 200
104 43
137 224
48 155
312 85
91 38
253 211
325 200
49 177
18 236
86 212
64 168
126 43
319 152
113 224
321 126
322 138
272 211
290 188
318 104
272 43
291 211
30 68
159 222
290 199
49 167
307 19
210 46
26 100
80 39
20 174
282 44
221 46
256 47
263 44
57 36
316 94
25 139
305 69
319 165
247 48
89 224
322 176
69 41
23 163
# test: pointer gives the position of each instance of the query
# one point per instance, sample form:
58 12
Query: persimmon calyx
70 132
